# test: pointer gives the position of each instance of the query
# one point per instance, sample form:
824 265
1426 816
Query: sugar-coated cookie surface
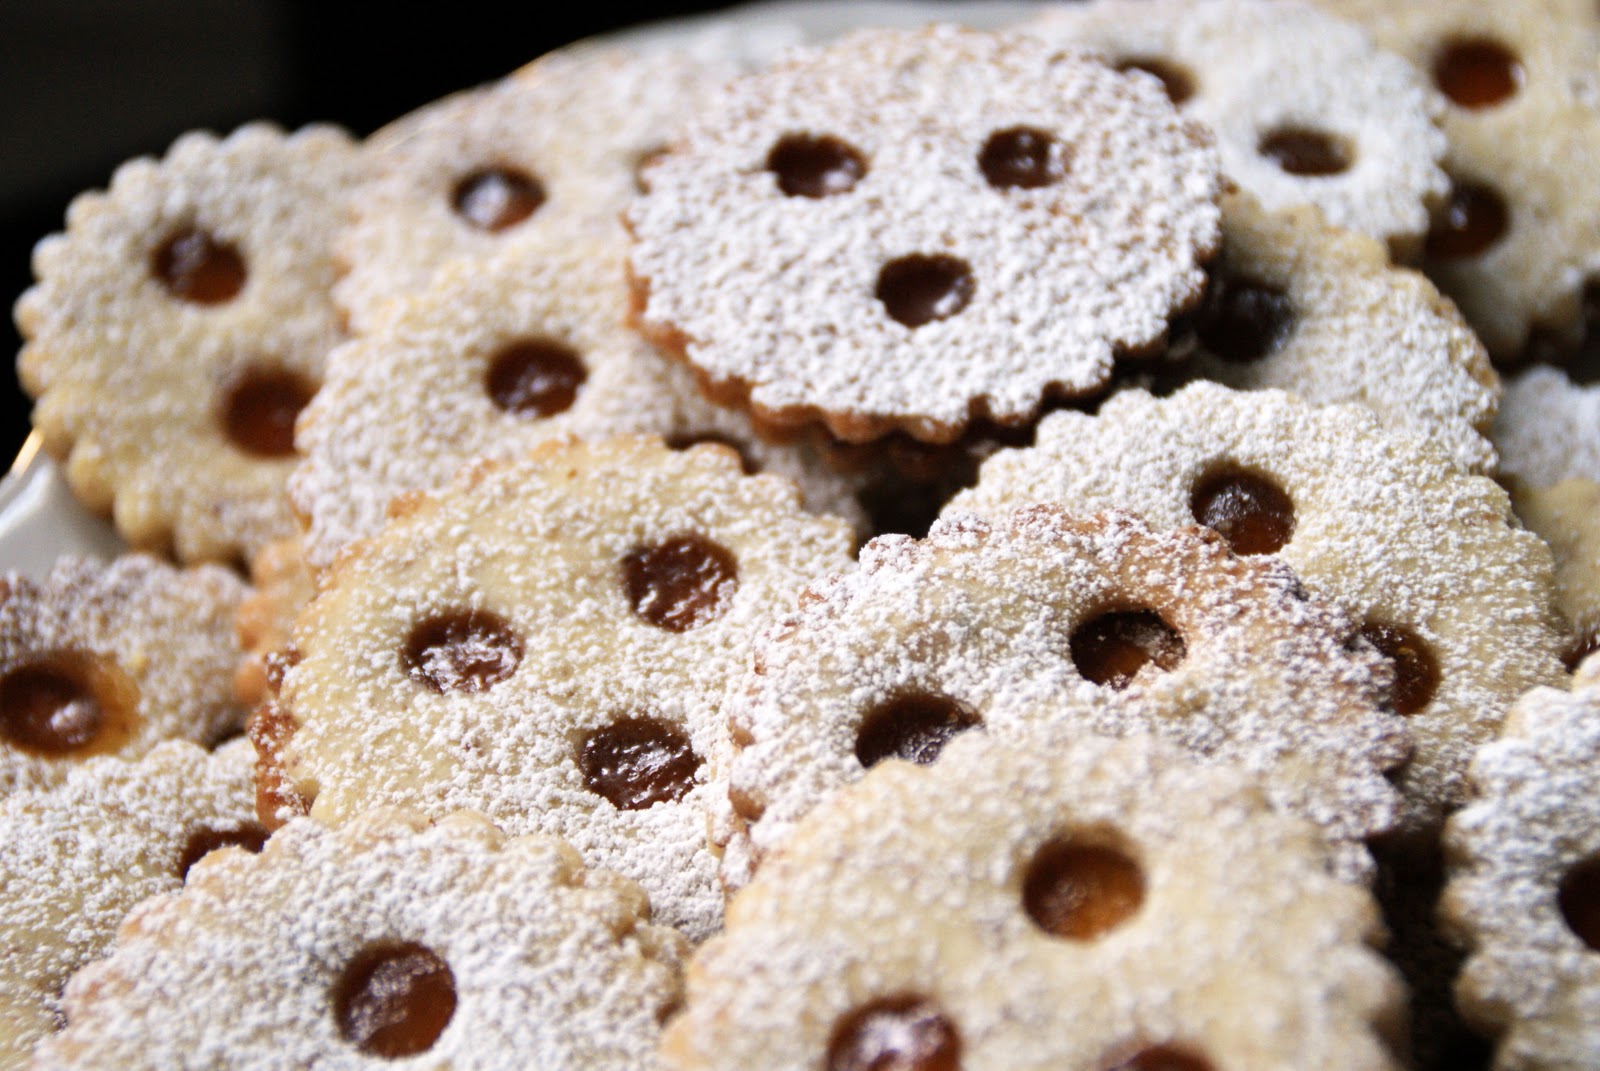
832 239
1549 429
74 859
1306 109
1427 560
1025 905
446 945
179 325
1567 516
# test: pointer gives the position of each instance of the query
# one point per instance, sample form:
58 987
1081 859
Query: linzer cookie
76 858
1519 234
282 583
441 946
547 641
110 660
1074 904
494 358
1567 516
1525 888
178 327
1038 622
1548 429
1426 559
1305 108
835 238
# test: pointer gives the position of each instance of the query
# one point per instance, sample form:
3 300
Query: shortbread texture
1567 516
1244 952
130 380
282 582
773 299
1549 429
552 964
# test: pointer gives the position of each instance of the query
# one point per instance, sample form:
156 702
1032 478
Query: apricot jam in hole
260 404
914 727
1162 1058
66 704
1111 649
1474 218
203 842
1477 72
808 165
921 288
535 377
1579 898
1305 152
1081 889
497 198
1248 510
1244 320
681 583
1023 158
1416 670
461 651
900 1033
1580 649
194 266
638 762
394 1000
1176 80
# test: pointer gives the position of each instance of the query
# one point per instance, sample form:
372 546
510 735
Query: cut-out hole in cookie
394 1000
807 165
461 651
1579 898
680 583
1080 889
535 378
1111 649
66 704
1416 670
203 842
921 288
914 727
1177 81
1305 152
638 762
1473 219
1023 158
684 440
1243 319
496 199
195 266
260 404
900 1033
1580 649
1162 1058
1477 72
1247 509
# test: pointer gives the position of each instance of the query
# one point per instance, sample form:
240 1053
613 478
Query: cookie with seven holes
1567 516
74 859
1519 234
1524 891
1548 429
1306 109
835 238
445 945
179 325
110 660
1426 559
547 641
1028 904
1095 626
493 358
281 584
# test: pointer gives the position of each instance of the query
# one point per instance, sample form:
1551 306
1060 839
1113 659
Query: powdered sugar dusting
1549 429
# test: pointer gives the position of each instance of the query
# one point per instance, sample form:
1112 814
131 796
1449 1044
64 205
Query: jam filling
1579 898
1080 891
535 378
1023 158
638 762
1308 153
203 842
53 707
395 1000
461 651
1178 82
1477 73
1111 649
1163 1058
194 266
900 1033
1416 670
913 727
259 408
1250 512
810 166
497 198
682 583
1474 218
921 288
1244 320
1580 649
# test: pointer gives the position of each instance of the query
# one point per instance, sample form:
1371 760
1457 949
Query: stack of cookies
937 549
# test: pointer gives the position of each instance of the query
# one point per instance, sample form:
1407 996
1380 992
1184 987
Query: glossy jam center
1023 158
1177 81
462 651
497 198
809 166
52 708
203 842
1304 152
1416 670
1163 1058
681 583
1244 320
195 267
1111 649
913 727
535 378
1579 898
920 289
1081 890
1474 218
638 762
395 1000
1250 512
259 408
903 1033
1477 73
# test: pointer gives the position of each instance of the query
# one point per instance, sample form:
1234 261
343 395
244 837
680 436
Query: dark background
86 84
